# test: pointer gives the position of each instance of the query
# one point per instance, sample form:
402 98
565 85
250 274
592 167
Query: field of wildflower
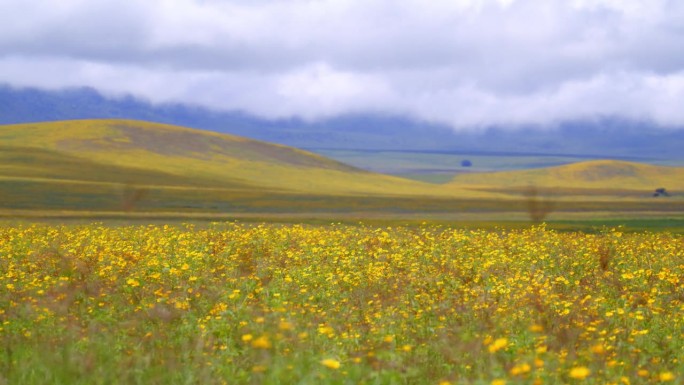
234 303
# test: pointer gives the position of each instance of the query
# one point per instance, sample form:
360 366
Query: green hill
598 174
135 152
114 165
110 166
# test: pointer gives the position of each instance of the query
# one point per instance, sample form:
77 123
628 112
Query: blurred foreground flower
497 345
580 373
331 363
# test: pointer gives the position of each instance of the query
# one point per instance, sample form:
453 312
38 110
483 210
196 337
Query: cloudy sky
468 63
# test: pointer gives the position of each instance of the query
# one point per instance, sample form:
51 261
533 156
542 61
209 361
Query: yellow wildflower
580 372
520 369
261 343
331 363
498 344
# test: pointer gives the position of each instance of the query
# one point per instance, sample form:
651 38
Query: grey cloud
93 30
469 63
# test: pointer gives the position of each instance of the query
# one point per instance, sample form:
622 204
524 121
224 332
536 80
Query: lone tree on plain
537 208
131 196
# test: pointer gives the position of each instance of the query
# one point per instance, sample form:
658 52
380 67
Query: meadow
232 303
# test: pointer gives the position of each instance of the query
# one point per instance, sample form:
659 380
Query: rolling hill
597 174
135 152
105 167
124 165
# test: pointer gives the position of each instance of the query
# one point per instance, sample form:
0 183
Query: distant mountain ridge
603 138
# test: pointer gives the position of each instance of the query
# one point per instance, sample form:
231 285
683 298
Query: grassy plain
272 304
445 165
440 167
121 167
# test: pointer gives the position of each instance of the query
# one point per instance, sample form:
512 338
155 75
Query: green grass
90 196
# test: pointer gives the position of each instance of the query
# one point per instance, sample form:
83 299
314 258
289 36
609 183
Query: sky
465 63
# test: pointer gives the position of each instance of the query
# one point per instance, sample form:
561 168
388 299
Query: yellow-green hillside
126 151
114 166
598 174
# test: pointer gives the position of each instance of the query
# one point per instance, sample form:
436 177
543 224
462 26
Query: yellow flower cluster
233 303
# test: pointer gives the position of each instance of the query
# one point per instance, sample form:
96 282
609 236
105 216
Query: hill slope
598 174
110 166
157 154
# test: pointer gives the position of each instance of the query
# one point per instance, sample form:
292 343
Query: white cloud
469 63
319 90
